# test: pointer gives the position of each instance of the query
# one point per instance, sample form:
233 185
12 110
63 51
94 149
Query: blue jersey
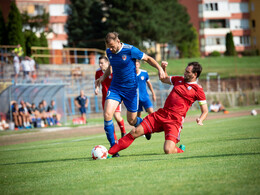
142 78
82 101
123 66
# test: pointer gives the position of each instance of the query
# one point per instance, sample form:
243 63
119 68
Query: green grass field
225 66
221 157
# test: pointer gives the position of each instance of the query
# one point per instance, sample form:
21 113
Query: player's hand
164 64
199 122
154 98
96 90
161 73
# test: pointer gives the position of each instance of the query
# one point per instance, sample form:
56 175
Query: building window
211 6
252 7
253 23
245 40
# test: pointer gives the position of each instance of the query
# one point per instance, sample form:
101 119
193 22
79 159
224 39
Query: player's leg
127 140
149 110
133 119
172 130
120 120
110 107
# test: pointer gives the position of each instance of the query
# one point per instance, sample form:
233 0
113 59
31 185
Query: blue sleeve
147 76
136 53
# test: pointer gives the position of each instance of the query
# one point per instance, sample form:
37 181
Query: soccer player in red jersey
103 64
171 117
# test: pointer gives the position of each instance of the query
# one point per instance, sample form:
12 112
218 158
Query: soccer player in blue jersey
144 99
124 84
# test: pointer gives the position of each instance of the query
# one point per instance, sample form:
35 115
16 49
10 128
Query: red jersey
106 83
183 95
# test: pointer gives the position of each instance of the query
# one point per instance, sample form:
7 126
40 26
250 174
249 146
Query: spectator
19 51
16 116
25 115
82 103
48 116
54 115
217 107
43 114
26 68
33 68
16 66
35 114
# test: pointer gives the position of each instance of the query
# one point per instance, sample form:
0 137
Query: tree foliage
135 21
3 32
14 27
85 26
35 23
230 47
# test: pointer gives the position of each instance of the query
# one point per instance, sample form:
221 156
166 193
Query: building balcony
214 14
214 31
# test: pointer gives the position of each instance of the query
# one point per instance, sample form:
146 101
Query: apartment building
213 19
254 8
58 11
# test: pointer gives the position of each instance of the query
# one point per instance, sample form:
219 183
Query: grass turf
221 157
225 66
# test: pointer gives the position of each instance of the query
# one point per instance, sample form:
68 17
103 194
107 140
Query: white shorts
16 69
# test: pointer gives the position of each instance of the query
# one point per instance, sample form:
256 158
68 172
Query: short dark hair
197 68
103 57
111 36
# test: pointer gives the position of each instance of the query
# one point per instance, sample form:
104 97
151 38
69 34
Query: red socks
122 144
121 125
179 150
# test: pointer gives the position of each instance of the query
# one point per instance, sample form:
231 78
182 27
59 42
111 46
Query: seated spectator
213 107
54 115
217 107
16 116
35 114
42 113
24 113
50 120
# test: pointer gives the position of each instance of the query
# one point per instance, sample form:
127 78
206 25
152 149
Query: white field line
55 143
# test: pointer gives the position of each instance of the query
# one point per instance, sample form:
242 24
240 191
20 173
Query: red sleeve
200 96
175 79
97 76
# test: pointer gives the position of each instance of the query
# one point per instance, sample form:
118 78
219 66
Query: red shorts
118 109
163 120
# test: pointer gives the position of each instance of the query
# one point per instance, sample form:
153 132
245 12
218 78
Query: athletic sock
115 137
122 144
179 150
109 129
138 121
121 125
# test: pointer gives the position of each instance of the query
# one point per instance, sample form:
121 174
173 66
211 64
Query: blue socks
109 129
138 121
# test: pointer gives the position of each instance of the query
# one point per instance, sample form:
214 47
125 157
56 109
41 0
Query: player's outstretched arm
151 89
204 113
167 79
153 63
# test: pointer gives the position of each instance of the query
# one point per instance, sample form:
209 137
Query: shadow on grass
220 155
49 161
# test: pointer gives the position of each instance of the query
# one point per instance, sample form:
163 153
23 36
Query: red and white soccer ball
99 152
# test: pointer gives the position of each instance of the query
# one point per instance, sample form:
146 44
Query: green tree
3 34
43 42
14 27
230 47
30 40
35 23
86 25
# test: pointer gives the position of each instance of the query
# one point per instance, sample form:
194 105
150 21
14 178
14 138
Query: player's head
113 42
52 102
192 72
103 63
81 92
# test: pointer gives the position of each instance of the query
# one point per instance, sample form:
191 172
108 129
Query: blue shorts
82 110
146 104
130 98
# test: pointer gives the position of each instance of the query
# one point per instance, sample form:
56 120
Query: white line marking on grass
55 143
